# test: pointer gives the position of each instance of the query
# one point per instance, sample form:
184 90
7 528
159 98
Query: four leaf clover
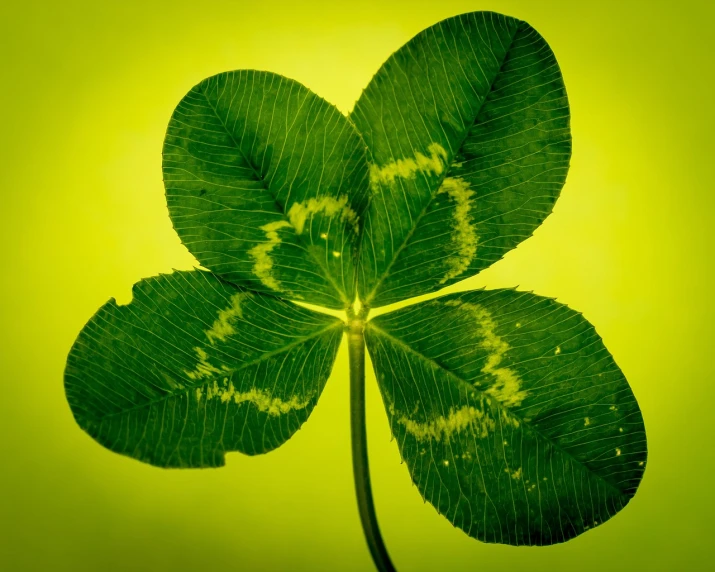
511 415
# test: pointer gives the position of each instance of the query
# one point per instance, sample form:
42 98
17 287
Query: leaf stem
361 468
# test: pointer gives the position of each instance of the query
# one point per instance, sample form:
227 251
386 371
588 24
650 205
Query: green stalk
361 468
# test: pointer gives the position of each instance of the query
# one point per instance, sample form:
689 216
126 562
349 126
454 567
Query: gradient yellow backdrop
87 90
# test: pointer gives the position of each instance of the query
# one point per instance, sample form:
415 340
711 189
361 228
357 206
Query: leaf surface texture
266 183
467 126
194 367
513 418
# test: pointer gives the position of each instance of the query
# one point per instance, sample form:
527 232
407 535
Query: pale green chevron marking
261 254
330 206
262 399
506 387
223 326
464 233
407 168
203 367
475 419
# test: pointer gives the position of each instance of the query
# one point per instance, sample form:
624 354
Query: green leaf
468 129
266 183
194 367
512 416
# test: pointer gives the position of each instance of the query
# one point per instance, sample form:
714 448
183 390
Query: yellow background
87 90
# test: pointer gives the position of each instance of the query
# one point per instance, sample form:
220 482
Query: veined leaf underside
514 420
266 186
195 367
468 130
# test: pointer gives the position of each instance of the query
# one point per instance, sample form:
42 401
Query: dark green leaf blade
468 129
266 183
194 367
512 416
